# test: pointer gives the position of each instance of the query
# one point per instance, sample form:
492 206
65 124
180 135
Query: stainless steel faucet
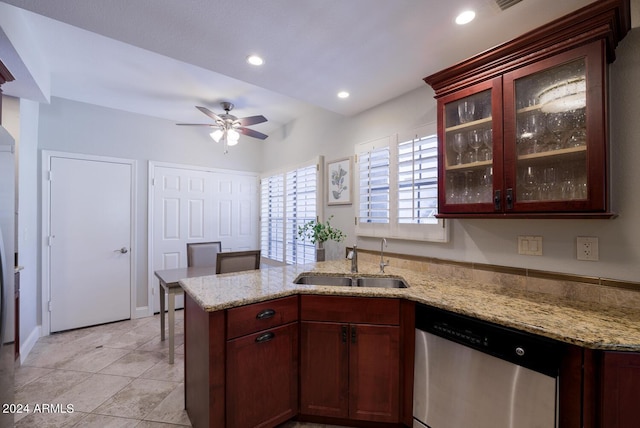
354 259
383 244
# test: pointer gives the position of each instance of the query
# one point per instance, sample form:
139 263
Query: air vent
506 4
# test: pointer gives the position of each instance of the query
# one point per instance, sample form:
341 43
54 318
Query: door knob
123 250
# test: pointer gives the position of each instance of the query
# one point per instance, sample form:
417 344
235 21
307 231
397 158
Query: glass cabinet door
468 151
553 135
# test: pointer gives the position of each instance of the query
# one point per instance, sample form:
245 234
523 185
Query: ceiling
163 57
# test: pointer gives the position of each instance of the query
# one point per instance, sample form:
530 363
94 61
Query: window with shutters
272 217
289 199
418 180
398 187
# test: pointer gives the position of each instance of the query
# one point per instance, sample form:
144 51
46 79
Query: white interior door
182 212
198 205
236 201
89 242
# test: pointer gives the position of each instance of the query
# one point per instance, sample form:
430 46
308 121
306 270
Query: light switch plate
530 245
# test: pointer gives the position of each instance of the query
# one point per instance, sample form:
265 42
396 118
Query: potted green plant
318 233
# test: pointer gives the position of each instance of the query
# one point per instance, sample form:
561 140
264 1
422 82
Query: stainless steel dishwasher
474 374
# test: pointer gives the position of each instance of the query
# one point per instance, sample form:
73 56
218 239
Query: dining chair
236 261
201 254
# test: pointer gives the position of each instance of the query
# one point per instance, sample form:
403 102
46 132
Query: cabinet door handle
509 199
266 314
496 200
344 334
353 334
265 337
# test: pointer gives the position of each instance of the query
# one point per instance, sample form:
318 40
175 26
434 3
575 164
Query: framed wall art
339 181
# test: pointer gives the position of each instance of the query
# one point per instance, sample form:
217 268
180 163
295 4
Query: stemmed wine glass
459 144
475 142
558 124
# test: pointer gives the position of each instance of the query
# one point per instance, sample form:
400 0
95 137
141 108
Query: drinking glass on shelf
549 184
558 124
529 184
475 142
455 188
488 143
531 133
466 111
458 145
568 186
486 184
468 193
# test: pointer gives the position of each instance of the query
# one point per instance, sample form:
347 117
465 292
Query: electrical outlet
587 248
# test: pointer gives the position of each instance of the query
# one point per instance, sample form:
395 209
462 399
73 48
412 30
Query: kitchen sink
324 280
370 281
348 281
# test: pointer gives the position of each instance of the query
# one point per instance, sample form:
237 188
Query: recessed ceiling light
255 60
465 17
343 94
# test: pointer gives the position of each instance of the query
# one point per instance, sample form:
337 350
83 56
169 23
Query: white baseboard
27 345
142 312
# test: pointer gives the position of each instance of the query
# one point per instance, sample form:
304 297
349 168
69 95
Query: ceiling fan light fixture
232 137
217 135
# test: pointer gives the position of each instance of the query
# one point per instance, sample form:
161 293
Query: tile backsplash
574 287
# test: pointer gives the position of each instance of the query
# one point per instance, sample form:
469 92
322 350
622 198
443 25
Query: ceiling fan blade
251 133
211 114
198 124
251 120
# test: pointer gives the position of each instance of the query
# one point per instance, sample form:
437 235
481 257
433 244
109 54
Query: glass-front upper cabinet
555 133
531 141
470 144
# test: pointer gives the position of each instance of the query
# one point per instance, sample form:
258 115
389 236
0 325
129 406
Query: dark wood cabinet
241 365
262 377
374 372
620 392
350 358
522 128
324 369
599 389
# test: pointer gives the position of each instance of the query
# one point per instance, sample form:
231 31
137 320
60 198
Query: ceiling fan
229 127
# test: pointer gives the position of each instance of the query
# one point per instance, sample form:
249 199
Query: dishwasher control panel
528 350
464 335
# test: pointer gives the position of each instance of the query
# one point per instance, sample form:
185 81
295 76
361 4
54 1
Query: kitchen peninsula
225 315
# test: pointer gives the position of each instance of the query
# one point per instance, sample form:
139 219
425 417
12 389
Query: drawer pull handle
266 314
344 334
265 337
353 334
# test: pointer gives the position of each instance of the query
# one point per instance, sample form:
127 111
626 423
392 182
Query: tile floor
114 376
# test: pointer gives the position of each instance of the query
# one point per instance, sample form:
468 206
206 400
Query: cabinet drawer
366 310
259 316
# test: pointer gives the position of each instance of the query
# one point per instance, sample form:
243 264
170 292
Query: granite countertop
590 325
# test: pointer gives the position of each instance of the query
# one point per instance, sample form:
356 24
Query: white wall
75 127
494 241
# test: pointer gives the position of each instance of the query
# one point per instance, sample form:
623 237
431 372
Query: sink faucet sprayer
383 244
